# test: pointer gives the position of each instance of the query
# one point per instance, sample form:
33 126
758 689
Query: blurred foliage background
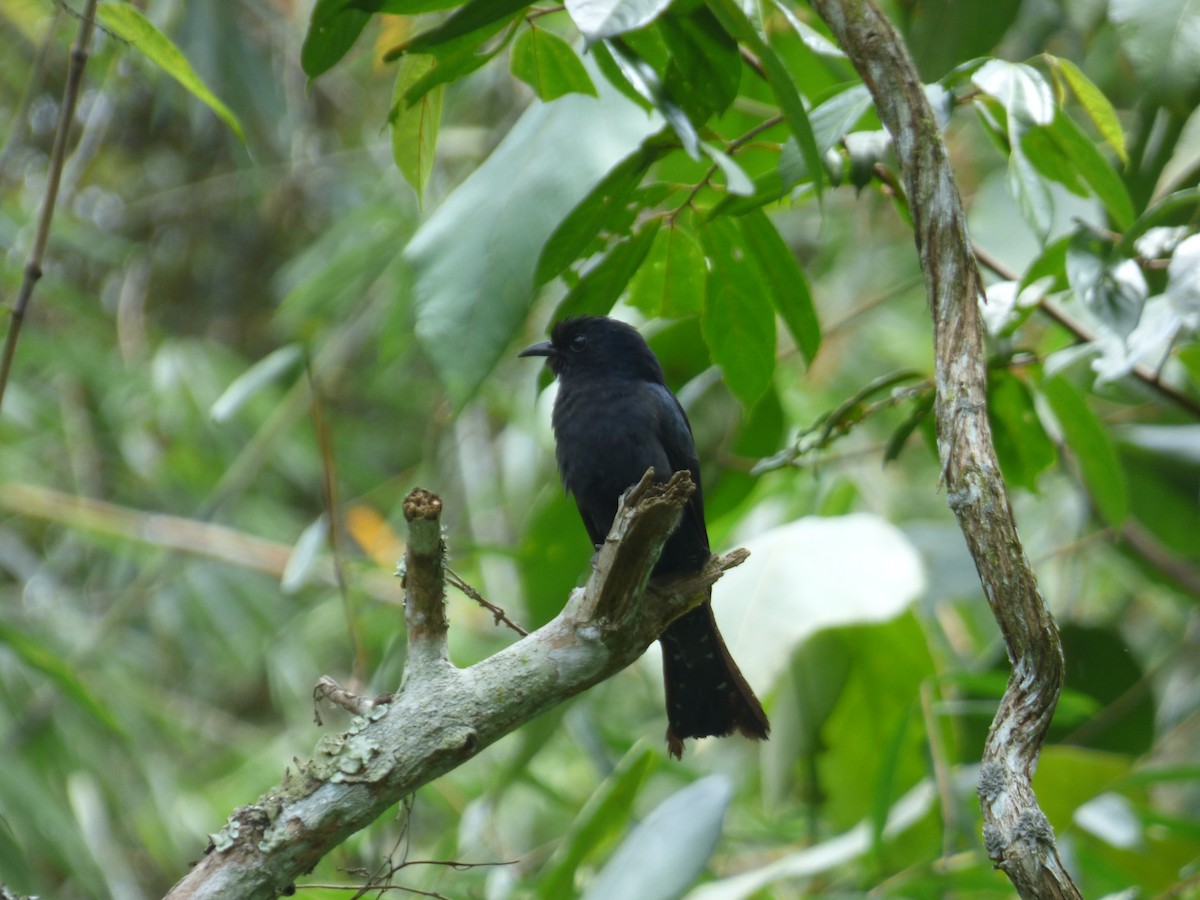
235 339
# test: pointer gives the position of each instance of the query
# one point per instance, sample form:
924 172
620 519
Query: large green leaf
128 23
472 16
1078 151
667 851
788 287
415 127
601 286
1024 449
546 63
603 206
475 256
1092 448
942 33
603 815
670 281
705 69
1161 40
738 321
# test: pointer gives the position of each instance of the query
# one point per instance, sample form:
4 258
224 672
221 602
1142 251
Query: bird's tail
706 693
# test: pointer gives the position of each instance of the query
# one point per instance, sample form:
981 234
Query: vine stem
1017 835
58 155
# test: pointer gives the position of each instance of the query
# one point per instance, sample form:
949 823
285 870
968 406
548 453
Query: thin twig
58 156
498 615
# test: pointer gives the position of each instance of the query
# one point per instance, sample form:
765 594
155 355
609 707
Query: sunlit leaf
415 127
598 19
1021 89
128 23
1095 104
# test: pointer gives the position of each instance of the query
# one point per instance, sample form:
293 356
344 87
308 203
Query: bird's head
597 345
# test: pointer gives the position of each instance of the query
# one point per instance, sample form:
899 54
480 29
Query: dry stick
1017 835
58 156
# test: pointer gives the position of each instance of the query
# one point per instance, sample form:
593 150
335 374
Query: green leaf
475 256
415 127
731 16
254 379
670 281
738 321
600 19
705 69
601 285
332 30
41 658
467 19
547 64
129 24
942 33
1024 448
457 58
603 815
1078 151
788 287
1094 103
1092 447
603 205
665 852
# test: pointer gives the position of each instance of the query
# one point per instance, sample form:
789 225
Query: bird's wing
675 435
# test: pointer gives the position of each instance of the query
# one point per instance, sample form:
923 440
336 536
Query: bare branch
1017 835
443 716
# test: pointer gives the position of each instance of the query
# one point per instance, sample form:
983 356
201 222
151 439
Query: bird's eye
578 342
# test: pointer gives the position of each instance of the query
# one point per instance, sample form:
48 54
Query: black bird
613 419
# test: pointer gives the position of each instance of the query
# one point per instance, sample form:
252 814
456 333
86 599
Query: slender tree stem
58 155
1017 835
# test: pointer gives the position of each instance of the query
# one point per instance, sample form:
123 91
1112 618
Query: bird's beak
545 348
